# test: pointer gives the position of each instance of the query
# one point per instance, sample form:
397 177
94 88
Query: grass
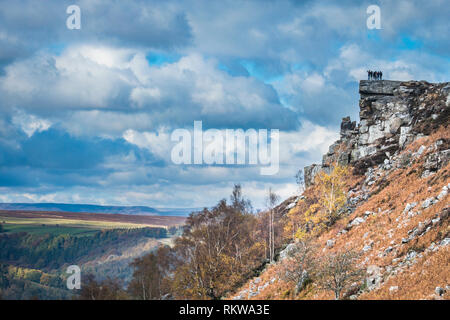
61 226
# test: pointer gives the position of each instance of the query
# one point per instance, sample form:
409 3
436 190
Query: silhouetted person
368 75
381 75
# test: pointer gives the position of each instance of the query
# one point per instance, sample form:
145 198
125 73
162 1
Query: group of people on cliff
374 75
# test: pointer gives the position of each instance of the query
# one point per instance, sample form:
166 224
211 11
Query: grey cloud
260 64
27 26
61 87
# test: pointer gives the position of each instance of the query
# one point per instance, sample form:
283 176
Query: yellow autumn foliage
331 199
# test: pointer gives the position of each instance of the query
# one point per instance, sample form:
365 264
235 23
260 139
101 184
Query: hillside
396 214
117 220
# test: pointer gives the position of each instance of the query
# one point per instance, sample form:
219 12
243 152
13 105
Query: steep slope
397 213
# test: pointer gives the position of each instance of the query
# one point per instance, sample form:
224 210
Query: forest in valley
33 265
224 246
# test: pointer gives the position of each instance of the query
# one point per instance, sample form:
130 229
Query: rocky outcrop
392 115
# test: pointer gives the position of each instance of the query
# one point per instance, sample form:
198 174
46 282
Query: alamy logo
374 20
74 280
228 147
74 20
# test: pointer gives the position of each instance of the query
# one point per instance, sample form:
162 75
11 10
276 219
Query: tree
109 289
272 200
149 276
237 200
329 201
299 265
216 252
338 271
332 192
45 279
4 276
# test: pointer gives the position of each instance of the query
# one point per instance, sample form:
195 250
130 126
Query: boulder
287 251
439 291
428 202
374 277
356 222
330 243
380 87
310 173
393 289
443 193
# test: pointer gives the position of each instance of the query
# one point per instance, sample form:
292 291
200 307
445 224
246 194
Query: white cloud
102 85
119 80
30 123
157 142
313 83
105 123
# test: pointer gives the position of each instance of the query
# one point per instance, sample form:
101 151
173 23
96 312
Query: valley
36 247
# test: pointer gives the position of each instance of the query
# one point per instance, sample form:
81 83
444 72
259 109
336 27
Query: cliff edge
392 115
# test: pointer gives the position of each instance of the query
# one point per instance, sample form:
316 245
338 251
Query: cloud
27 26
97 78
86 115
30 123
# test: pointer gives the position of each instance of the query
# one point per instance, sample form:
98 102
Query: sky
86 115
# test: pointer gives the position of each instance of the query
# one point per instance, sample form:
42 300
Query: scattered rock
356 222
368 213
443 193
409 206
411 255
428 202
421 150
330 243
439 291
374 278
287 251
388 249
290 205
393 289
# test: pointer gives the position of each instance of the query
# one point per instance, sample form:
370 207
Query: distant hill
65 207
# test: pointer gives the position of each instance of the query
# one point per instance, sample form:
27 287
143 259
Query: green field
61 226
